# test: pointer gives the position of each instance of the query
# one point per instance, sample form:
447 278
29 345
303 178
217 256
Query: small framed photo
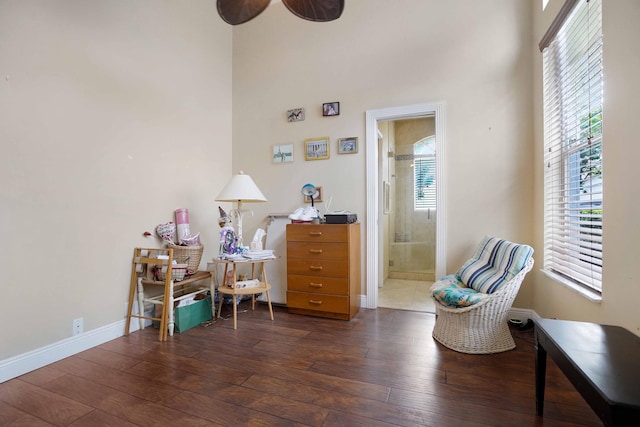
282 153
316 197
348 145
316 148
295 115
331 109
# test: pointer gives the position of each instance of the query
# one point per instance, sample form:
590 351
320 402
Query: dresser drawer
306 267
317 250
320 285
323 270
317 233
318 302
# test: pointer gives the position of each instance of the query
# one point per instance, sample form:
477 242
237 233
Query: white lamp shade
241 188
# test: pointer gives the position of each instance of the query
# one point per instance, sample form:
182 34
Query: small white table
256 273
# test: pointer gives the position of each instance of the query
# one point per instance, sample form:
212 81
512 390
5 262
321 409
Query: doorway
409 187
382 162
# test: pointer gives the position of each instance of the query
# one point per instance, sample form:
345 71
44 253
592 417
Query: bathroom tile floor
406 295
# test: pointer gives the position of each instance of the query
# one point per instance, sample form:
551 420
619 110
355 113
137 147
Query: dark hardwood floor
382 368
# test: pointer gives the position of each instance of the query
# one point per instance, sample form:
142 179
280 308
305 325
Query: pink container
182 224
182 216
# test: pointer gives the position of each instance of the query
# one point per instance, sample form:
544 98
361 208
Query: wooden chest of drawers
323 269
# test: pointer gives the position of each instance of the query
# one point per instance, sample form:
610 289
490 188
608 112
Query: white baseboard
515 313
363 301
523 314
21 364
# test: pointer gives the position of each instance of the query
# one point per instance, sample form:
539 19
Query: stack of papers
231 257
262 254
249 255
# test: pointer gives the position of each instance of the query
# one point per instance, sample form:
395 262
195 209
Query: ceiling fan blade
236 12
316 10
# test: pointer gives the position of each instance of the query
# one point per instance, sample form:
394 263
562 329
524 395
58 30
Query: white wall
474 56
621 151
112 115
99 101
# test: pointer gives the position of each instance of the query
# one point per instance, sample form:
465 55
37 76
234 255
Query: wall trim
514 313
23 363
523 314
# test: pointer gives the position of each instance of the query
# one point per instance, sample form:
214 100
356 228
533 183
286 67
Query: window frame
573 203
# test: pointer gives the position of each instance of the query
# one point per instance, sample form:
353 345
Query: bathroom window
424 174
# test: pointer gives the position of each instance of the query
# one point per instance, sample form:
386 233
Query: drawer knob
315 285
315 233
315 301
315 267
315 251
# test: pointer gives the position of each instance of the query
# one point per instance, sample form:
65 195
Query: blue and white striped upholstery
495 262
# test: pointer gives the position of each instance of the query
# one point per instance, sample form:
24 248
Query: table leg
172 321
541 370
220 306
235 298
212 291
140 303
235 312
224 283
264 277
269 303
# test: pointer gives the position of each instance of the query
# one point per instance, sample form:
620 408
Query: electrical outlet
77 326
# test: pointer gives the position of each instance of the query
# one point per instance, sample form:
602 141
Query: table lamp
240 188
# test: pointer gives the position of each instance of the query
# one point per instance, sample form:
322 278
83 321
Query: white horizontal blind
573 97
424 178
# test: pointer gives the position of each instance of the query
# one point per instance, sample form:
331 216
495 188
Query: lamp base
239 214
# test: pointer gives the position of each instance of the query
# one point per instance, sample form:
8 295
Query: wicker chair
481 328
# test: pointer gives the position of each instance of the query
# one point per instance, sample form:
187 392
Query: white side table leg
140 302
170 308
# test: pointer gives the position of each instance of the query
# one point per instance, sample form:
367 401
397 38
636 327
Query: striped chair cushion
495 262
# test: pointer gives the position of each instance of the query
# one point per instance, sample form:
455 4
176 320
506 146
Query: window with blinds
573 98
424 174
425 183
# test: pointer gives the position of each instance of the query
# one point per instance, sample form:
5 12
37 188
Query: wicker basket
190 255
178 271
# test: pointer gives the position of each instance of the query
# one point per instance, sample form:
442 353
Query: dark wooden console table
602 362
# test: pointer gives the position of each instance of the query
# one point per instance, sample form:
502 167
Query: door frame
374 232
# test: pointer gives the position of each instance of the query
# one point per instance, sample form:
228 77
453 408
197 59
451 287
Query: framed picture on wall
282 153
331 109
295 115
316 148
348 145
